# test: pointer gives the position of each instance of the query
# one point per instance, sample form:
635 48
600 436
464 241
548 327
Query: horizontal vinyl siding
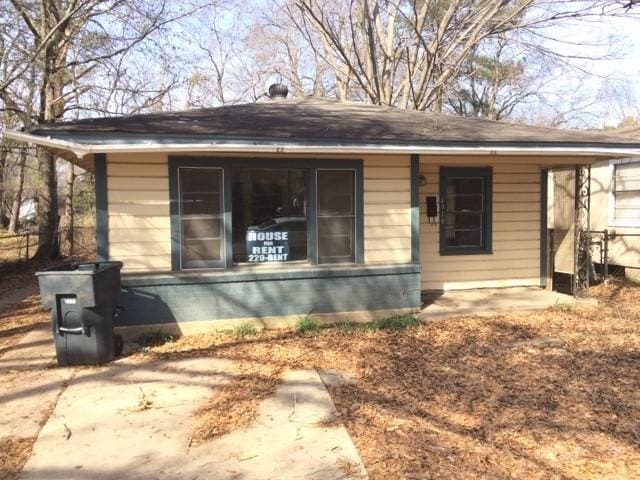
516 232
139 218
387 209
138 196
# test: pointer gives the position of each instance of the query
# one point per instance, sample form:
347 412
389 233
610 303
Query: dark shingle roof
320 120
627 132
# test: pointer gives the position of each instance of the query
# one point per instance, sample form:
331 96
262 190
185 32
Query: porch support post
582 237
102 214
415 208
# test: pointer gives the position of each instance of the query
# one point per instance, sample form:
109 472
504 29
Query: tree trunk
69 220
3 165
14 223
47 213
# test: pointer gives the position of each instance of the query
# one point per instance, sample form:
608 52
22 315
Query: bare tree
406 53
65 40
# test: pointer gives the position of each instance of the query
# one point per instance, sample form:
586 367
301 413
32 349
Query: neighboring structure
270 211
615 207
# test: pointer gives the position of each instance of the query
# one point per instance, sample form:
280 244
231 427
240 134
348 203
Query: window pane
627 205
198 252
202 227
465 185
336 216
464 238
269 215
464 203
201 203
466 221
201 217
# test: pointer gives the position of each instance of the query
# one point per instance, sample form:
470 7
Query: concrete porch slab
439 305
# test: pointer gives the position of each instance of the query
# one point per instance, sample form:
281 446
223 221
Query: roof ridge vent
278 91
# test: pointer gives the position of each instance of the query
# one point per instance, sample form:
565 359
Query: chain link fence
21 246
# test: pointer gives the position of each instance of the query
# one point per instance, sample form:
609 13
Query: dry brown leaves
545 395
14 453
19 320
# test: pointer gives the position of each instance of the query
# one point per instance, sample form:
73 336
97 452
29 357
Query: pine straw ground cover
554 394
19 320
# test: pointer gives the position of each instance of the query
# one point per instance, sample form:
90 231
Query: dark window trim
227 164
487 218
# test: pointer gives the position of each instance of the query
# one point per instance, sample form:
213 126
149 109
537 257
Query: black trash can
82 299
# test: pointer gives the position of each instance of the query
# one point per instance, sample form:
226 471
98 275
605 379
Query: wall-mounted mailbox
432 210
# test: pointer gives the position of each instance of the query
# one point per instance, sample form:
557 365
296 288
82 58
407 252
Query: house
270 211
614 208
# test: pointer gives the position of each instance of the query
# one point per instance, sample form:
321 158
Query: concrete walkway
490 301
30 386
134 420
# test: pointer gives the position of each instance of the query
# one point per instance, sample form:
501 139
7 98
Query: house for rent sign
264 247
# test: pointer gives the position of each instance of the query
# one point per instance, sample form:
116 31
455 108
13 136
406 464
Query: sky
605 90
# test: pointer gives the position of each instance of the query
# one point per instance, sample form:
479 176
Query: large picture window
236 211
269 215
465 195
201 225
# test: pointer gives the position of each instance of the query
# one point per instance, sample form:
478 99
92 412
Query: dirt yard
547 395
553 394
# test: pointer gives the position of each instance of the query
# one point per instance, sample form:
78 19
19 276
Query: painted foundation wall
268 298
139 221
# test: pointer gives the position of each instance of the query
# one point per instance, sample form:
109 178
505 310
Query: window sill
622 224
248 273
449 253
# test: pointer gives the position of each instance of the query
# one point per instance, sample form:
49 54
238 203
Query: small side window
336 216
465 225
626 211
201 218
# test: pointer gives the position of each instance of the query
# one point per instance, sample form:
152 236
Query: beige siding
387 209
563 182
138 196
516 230
623 251
139 221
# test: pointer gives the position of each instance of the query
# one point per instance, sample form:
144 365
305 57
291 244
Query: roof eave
81 150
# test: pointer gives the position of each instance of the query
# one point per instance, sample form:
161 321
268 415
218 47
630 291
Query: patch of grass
308 325
246 329
348 327
155 339
394 323
563 307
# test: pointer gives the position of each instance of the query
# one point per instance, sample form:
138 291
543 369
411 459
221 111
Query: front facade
341 212
350 244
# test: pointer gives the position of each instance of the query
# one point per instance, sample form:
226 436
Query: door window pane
201 232
464 212
336 216
269 215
